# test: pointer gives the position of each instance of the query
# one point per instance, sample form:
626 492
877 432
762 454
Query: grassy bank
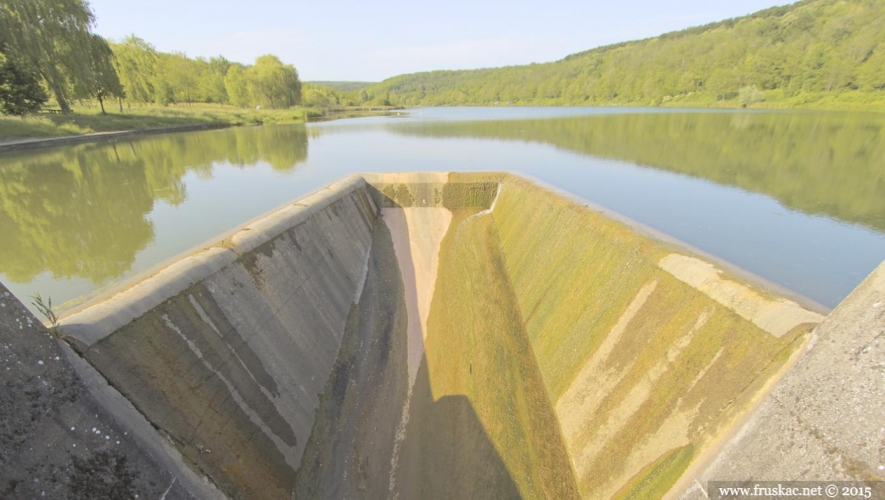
88 119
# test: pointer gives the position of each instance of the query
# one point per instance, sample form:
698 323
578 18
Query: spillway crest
440 335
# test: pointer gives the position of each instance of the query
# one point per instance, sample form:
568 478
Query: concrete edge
693 482
749 277
124 305
100 320
268 227
148 290
140 429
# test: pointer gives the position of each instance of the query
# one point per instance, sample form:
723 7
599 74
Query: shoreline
31 143
26 144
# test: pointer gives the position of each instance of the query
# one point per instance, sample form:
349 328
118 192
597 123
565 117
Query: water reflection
820 163
82 211
796 197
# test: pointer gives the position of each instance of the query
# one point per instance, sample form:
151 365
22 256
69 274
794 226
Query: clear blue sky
371 41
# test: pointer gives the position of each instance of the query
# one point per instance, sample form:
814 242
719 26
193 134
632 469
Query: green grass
88 119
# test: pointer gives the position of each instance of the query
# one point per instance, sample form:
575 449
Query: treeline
48 47
150 76
828 53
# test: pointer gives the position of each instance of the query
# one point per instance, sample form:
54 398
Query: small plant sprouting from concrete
45 309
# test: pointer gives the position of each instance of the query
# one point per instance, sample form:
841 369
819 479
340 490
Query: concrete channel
441 335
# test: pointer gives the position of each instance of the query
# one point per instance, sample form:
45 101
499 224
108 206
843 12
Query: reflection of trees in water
819 163
82 211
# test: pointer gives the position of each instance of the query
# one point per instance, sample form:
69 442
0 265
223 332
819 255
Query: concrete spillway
434 336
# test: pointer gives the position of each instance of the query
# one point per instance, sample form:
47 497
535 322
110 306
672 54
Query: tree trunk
121 104
62 102
101 103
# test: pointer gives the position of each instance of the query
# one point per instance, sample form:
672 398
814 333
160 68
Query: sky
343 40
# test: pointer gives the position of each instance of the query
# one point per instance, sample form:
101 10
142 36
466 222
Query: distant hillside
343 86
814 53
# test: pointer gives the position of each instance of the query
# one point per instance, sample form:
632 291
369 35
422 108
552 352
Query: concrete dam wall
437 335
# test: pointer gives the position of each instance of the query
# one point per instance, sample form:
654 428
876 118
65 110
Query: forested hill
814 53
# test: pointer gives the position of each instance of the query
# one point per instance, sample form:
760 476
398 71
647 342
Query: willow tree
102 81
136 64
272 83
53 37
236 86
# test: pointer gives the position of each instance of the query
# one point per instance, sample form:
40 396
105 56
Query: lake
795 197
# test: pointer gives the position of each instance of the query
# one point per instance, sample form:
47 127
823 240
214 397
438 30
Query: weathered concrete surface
57 440
351 448
641 364
227 351
434 189
826 419
417 234
279 359
776 316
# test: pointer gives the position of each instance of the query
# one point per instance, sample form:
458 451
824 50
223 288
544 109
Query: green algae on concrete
564 355
477 353
656 479
636 361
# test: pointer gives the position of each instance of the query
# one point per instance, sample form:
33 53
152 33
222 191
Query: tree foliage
273 84
812 51
52 37
102 81
20 89
150 76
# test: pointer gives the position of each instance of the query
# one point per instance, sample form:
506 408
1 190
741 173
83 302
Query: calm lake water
795 197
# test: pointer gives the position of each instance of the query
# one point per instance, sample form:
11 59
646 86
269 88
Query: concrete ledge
269 227
824 421
96 322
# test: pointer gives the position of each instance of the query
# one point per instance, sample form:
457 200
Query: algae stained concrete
351 447
639 364
230 365
481 424
58 440
825 421
441 335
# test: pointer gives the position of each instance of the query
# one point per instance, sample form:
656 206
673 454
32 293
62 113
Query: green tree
236 86
136 63
20 89
211 82
750 95
103 81
273 84
872 72
52 36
